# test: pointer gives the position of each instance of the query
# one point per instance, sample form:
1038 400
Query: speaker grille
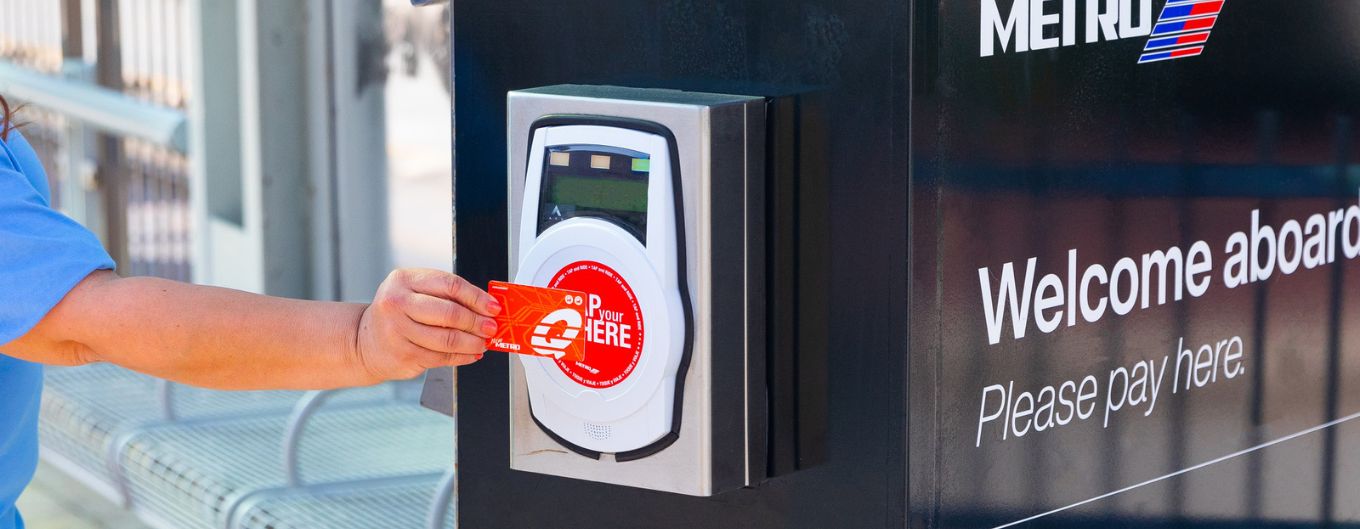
599 431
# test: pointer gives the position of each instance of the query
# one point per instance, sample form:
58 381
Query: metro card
539 321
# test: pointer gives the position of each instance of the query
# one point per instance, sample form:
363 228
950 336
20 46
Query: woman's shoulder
18 156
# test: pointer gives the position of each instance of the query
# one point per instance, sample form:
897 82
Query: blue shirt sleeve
43 254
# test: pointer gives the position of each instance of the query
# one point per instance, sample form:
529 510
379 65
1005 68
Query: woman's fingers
439 312
431 359
449 286
443 339
419 359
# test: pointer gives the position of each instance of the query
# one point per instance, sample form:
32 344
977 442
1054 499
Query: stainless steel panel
686 467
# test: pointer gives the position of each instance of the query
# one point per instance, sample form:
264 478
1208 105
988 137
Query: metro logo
1180 31
1027 21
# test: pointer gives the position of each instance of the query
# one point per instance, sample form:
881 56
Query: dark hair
6 119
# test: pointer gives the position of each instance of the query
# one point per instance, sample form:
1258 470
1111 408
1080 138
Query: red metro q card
539 321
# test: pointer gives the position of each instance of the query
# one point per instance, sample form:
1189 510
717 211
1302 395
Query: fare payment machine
650 202
600 216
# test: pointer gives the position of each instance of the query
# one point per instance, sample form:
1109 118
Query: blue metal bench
187 458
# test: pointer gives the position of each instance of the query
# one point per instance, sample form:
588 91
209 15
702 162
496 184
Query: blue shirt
43 254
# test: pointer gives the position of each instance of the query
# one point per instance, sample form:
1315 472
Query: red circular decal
613 325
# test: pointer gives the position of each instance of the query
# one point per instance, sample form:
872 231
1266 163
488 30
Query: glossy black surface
854 54
1035 154
942 162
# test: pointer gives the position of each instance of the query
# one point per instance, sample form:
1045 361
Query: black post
838 448
971 148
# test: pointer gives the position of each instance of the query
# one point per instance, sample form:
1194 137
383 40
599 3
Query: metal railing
31 34
108 118
113 92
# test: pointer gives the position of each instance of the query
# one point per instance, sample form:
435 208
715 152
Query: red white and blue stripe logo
1182 30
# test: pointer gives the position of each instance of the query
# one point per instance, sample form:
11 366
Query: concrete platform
55 501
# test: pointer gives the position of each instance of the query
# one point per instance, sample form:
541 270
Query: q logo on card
556 332
539 321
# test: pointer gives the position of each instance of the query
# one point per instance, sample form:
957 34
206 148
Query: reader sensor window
608 183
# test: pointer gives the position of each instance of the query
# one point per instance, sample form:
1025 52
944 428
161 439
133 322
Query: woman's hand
422 319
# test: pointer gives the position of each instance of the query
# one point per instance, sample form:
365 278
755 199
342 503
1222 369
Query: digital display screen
597 193
598 181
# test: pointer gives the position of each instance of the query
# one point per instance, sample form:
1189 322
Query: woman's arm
227 339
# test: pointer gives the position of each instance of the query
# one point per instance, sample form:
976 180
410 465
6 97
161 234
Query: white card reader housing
632 417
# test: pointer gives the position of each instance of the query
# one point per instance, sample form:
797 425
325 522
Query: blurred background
299 148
